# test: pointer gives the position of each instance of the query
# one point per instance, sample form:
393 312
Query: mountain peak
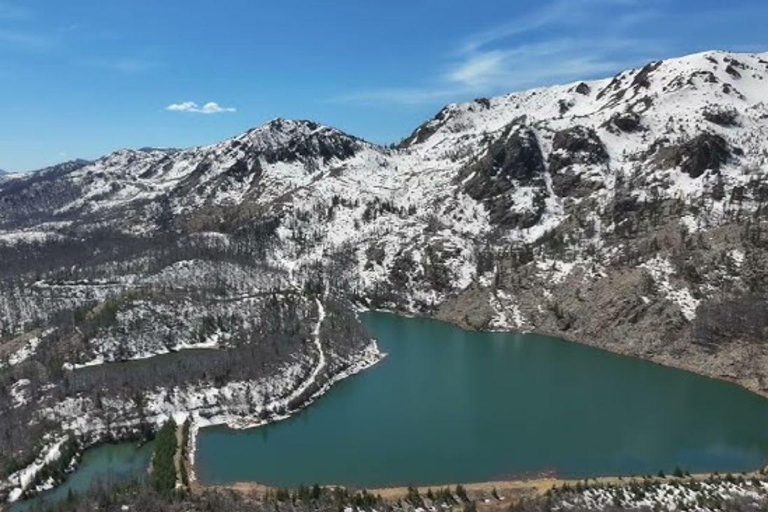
281 128
732 80
290 140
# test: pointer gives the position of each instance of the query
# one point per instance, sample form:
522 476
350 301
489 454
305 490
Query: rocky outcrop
549 210
307 142
583 88
515 158
577 146
512 162
624 122
721 116
705 152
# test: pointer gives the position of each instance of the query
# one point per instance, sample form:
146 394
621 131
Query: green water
453 406
101 467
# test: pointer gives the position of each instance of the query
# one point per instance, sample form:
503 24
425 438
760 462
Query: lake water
105 465
448 406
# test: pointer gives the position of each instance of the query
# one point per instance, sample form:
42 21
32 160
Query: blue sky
84 77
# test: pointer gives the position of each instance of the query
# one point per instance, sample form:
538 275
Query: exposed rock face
577 146
425 131
704 152
626 122
513 162
643 78
583 89
515 157
726 117
561 210
310 141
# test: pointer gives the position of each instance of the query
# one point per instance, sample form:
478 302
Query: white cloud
190 106
478 69
560 41
515 68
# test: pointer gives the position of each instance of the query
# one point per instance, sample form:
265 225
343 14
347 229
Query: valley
223 283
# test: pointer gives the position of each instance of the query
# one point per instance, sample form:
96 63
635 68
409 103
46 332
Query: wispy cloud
563 14
26 40
190 106
556 42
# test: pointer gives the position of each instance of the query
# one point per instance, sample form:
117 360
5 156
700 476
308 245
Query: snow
676 495
737 256
508 314
555 271
428 210
661 271
423 175
27 350
321 362
24 477
19 395
15 238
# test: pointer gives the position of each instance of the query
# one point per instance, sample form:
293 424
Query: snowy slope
627 213
692 128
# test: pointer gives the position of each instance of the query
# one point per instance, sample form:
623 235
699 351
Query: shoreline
370 357
508 491
541 483
562 337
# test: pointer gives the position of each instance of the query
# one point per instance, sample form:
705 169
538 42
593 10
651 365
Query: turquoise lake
106 466
448 405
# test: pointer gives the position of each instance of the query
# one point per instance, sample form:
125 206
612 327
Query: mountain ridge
627 213
453 107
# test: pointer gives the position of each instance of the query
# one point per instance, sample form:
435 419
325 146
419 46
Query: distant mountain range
628 213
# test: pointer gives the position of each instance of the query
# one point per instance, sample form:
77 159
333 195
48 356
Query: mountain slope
627 213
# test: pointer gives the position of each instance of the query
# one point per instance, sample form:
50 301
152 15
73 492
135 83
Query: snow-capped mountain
627 213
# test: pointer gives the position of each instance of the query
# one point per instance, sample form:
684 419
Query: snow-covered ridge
612 212
699 79
284 156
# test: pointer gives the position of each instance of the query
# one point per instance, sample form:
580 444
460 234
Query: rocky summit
222 282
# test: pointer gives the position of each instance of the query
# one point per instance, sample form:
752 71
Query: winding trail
312 379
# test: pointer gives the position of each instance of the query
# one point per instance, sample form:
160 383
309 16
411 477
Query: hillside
626 213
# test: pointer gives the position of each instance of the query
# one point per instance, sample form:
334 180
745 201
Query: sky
82 78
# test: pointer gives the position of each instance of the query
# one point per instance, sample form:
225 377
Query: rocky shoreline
367 358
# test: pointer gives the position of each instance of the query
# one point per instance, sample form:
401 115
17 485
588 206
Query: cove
449 406
101 467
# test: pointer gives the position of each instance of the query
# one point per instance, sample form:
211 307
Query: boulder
624 122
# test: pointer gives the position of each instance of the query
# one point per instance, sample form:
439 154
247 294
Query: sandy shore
486 493
510 491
